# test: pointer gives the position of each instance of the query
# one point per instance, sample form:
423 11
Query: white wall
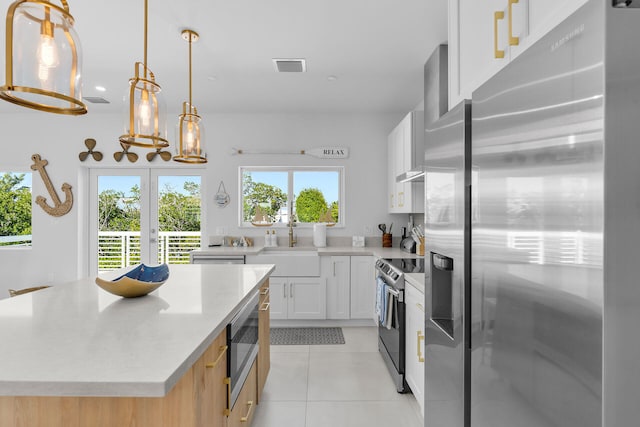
59 251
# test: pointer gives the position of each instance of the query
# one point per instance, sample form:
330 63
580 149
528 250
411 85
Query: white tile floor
334 386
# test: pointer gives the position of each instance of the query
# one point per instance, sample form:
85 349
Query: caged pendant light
190 130
145 110
43 58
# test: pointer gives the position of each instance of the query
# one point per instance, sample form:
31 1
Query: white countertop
76 339
377 251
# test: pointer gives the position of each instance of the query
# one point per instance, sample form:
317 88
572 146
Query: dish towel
390 304
381 296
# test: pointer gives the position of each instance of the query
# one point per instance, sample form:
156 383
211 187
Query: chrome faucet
292 240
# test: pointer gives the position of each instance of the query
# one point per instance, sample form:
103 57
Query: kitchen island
77 350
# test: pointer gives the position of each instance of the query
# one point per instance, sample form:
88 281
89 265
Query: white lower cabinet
351 286
297 297
363 288
414 337
337 272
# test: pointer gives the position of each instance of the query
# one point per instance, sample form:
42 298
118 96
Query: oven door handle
393 292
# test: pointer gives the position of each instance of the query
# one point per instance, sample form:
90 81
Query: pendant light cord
146 11
190 43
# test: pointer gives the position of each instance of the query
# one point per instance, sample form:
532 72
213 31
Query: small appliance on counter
407 244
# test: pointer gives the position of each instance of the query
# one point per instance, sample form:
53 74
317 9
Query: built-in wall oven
242 339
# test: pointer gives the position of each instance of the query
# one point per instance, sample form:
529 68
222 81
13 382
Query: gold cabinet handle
513 41
420 338
223 350
401 197
497 16
391 201
246 417
265 306
264 291
227 411
420 307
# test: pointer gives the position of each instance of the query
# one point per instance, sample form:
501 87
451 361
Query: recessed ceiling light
212 78
332 78
101 88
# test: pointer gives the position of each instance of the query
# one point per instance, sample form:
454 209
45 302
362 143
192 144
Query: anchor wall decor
59 208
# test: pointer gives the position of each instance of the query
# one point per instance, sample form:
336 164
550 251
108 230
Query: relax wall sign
328 152
320 152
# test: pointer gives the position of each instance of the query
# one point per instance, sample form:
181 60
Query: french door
149 216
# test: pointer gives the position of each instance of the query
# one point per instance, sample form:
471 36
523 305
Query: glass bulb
190 139
48 52
144 114
48 58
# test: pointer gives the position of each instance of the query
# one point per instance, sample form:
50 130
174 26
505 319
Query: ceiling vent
95 100
290 65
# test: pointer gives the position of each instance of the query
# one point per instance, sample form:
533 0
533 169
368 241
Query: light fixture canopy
43 58
190 130
145 116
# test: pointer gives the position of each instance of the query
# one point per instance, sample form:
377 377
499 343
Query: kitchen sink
295 251
296 261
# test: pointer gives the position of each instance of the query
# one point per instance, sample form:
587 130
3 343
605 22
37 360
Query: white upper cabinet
484 36
406 152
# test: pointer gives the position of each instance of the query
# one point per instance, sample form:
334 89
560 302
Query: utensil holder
387 238
421 246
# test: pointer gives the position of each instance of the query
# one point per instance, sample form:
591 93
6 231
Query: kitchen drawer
242 412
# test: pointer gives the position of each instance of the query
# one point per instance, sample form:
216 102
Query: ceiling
375 49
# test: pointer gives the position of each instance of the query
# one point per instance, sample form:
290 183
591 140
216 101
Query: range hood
414 175
436 102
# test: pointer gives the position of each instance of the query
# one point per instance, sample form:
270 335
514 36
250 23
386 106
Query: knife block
420 249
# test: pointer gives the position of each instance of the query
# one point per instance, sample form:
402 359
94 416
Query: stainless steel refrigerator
551 334
447 244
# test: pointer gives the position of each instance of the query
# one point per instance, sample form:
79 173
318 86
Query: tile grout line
306 400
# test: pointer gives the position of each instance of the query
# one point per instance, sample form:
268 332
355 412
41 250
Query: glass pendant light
190 130
145 122
43 58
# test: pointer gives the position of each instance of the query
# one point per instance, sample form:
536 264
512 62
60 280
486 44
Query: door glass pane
178 218
118 222
317 196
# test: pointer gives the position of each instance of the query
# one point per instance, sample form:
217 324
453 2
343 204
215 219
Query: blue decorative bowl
137 282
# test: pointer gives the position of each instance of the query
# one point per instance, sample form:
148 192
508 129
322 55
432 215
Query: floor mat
306 336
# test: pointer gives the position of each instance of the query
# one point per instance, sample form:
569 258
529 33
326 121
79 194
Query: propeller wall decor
90 143
118 155
164 155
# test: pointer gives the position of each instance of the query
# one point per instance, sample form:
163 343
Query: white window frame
290 170
148 213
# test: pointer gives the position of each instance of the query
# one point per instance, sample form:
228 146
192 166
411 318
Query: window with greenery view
316 194
15 209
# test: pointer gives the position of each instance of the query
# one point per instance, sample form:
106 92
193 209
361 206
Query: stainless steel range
390 308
